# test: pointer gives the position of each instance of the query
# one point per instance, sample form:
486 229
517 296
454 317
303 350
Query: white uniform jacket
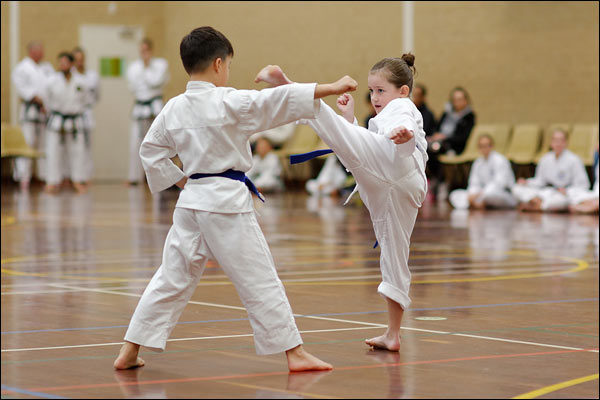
209 127
30 80
566 171
494 172
147 84
66 102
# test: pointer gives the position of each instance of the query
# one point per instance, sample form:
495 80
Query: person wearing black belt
146 78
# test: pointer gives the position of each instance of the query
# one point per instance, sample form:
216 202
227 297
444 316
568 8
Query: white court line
177 340
370 325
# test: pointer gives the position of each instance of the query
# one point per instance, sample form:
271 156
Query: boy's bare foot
300 360
81 188
128 357
384 342
273 75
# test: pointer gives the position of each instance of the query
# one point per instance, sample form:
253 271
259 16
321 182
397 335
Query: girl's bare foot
51 189
273 75
81 188
384 342
128 357
300 360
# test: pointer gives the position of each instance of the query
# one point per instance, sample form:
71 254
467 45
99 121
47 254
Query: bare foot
24 185
300 360
128 357
51 189
384 342
81 188
273 75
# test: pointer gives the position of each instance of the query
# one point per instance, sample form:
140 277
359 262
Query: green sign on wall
112 66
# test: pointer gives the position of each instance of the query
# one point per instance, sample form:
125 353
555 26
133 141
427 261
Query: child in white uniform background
266 168
30 78
146 77
331 178
390 174
490 180
65 129
208 127
557 172
583 201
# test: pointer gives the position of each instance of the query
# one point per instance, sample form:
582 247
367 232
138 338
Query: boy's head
559 141
202 49
390 79
263 147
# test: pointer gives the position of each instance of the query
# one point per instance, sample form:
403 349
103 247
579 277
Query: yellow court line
552 388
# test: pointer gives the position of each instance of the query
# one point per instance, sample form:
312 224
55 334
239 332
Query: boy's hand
400 135
272 75
343 85
345 103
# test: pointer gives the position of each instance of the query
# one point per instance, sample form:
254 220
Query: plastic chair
303 140
501 135
524 143
583 140
470 152
14 144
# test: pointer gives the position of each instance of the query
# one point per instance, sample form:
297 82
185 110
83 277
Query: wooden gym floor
504 304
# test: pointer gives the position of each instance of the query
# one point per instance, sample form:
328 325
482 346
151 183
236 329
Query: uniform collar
198 85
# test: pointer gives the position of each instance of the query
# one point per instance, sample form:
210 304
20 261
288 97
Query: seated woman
490 181
454 127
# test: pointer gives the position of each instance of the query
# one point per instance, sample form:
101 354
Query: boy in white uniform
146 77
266 168
557 171
390 174
208 126
490 181
92 88
65 129
30 78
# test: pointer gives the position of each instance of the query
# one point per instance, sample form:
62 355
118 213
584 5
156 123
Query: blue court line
320 315
27 392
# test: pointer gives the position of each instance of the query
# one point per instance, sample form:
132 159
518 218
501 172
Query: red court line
261 374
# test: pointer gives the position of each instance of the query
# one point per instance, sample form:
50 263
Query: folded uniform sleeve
156 152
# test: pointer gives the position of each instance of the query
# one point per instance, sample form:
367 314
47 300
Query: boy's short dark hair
201 46
65 54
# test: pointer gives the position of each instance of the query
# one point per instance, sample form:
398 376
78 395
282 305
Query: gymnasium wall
520 61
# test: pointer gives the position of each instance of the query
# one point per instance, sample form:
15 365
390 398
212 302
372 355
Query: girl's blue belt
235 175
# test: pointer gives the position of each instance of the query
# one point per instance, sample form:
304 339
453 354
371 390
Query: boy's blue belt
235 175
299 158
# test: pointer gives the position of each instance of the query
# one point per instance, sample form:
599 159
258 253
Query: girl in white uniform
208 126
585 201
390 174
65 128
490 181
557 172
146 77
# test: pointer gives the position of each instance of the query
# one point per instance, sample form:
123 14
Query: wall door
110 48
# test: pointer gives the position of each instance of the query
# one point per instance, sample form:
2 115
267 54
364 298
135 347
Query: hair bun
409 59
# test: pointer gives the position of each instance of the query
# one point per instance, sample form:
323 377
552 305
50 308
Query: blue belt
235 175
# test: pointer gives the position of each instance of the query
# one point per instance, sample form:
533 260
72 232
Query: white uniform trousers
492 196
237 243
59 146
139 128
552 199
34 133
392 203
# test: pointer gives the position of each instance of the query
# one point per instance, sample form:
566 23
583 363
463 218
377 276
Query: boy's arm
156 152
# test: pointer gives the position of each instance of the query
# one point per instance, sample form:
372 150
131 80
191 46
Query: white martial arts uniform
552 174
492 178
578 195
30 80
390 178
92 88
65 128
147 84
208 127
266 172
331 178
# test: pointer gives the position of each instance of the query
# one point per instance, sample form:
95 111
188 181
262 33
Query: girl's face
383 91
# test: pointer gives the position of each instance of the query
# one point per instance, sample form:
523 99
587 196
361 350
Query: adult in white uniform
390 175
146 77
208 126
92 88
557 172
65 128
30 78
490 181
585 201
266 168
331 178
